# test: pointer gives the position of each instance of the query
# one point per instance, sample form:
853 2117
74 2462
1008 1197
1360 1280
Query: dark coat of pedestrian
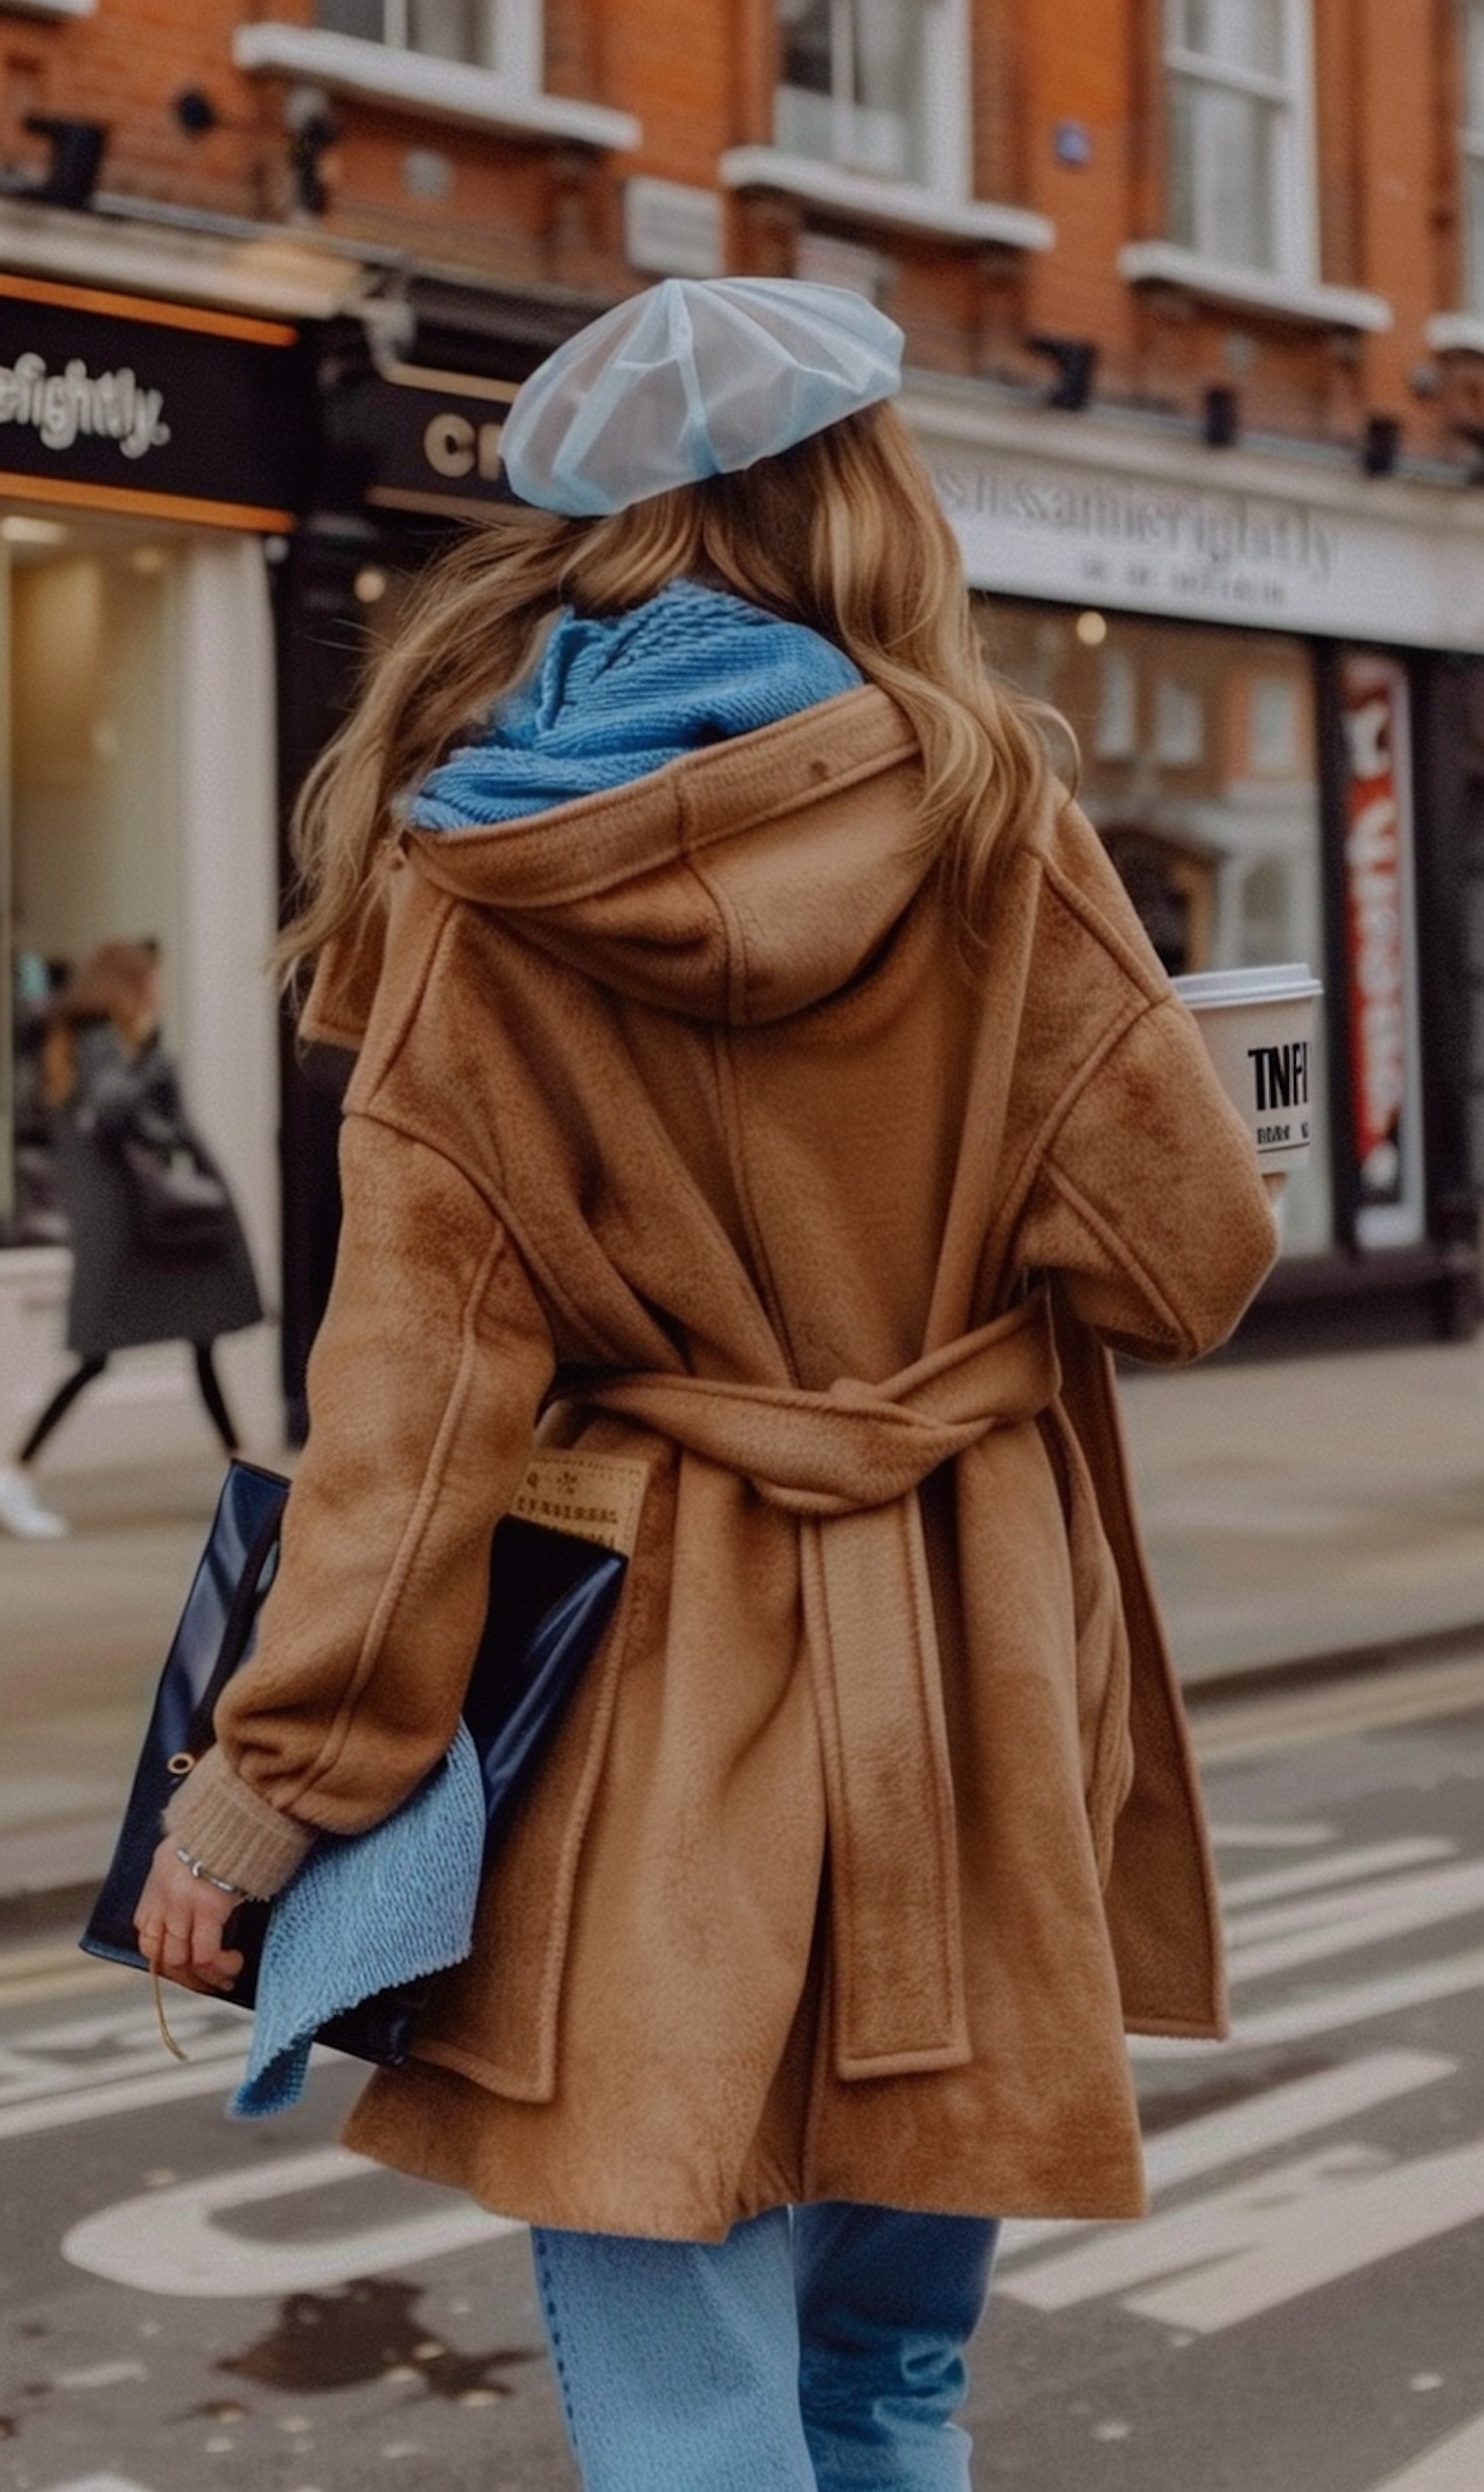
110 1088
125 1290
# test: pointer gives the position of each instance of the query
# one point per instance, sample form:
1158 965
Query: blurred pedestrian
762 1075
159 1252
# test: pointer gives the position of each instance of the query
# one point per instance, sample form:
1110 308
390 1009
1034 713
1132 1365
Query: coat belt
848 1464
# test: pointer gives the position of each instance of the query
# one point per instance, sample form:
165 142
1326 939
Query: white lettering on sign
454 445
60 406
1214 532
174 2241
1083 519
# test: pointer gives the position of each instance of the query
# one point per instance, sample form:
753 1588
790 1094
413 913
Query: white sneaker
22 1513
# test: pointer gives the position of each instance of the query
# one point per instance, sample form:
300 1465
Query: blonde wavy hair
842 532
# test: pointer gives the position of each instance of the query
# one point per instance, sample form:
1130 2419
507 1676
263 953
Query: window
1472 143
1241 174
872 122
853 84
448 30
478 63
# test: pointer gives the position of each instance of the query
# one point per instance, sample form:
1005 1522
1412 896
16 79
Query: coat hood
740 883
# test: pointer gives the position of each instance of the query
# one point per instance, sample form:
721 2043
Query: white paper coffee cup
1259 1030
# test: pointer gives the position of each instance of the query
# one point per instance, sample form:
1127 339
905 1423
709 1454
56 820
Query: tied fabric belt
848 1464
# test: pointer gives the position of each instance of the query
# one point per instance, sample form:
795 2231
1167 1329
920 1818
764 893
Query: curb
1393 1655
50 1912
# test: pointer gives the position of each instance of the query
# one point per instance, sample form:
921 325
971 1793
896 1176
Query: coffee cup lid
1281 983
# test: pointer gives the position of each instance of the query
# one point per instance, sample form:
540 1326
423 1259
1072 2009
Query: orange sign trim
132 503
137 307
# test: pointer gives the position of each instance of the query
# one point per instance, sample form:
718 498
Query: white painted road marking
1286 2232
1285 1935
113 2046
138 2093
1334 1868
1219 2138
1329 2010
99 2483
1275 1838
1454 2465
170 2241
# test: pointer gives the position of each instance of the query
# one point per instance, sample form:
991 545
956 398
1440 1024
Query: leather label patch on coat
592 1495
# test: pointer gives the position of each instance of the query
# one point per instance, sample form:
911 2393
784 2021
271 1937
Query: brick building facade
1194 292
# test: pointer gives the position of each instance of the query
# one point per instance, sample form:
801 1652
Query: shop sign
410 438
119 403
1038 527
1378 828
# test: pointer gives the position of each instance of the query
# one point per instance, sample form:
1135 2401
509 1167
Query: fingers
190 1951
180 1921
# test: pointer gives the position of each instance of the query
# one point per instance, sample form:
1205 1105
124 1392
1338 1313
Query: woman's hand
180 1921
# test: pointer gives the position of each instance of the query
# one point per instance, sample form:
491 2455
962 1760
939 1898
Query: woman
109 1082
761 1076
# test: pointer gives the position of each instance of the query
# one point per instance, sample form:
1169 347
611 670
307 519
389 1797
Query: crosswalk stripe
133 2093
1275 1838
1282 1935
99 2483
1220 2139
1453 2466
1334 1868
1354 2003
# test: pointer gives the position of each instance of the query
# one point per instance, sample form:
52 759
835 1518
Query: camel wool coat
683 1130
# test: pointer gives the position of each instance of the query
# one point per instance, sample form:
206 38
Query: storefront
1268 668
408 452
151 457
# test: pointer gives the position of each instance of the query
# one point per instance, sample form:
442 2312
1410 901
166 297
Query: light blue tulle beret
693 377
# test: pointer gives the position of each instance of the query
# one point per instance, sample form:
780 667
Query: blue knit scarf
615 696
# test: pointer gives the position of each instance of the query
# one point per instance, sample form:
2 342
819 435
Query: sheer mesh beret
696 377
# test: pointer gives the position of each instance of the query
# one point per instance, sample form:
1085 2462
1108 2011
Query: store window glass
88 828
1199 769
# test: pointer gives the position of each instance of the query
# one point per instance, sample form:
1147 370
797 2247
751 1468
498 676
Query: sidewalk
1293 1510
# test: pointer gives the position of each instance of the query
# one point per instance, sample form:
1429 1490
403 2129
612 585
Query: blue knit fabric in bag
615 696
366 1911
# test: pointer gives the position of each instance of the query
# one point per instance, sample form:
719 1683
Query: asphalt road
195 2302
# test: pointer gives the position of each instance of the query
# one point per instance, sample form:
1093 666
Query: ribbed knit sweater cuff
234 1833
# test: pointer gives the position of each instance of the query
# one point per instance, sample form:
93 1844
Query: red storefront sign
1373 696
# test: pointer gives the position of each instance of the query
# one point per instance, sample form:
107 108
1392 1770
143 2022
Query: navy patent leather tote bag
552 1593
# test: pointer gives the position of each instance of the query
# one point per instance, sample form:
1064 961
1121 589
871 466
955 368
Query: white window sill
1253 289
445 90
1456 333
905 207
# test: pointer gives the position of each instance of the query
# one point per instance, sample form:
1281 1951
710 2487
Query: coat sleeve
424 1385
1148 1201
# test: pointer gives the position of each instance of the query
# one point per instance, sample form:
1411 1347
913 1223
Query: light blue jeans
818 2352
